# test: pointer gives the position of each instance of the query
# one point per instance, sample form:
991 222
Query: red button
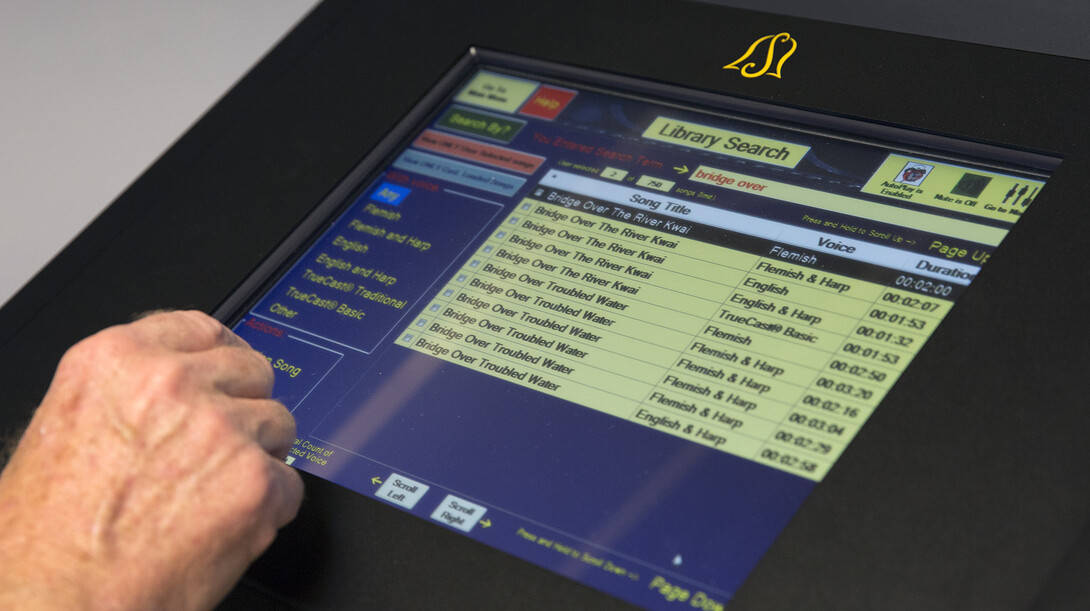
547 102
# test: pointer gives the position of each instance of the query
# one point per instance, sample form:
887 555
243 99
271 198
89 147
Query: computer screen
615 329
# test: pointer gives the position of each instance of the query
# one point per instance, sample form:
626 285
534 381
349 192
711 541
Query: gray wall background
92 92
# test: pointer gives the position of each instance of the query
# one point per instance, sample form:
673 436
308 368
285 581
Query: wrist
35 573
31 579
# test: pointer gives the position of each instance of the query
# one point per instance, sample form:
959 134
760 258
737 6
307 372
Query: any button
459 513
401 490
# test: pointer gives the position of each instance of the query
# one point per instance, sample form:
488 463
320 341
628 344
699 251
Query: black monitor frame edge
57 307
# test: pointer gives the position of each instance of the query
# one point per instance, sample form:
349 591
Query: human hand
151 475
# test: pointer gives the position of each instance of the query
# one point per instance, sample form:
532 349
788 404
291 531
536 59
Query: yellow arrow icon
682 169
486 522
376 480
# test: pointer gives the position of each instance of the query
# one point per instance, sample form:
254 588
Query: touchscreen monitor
614 329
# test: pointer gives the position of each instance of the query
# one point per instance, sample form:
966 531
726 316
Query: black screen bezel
900 139
981 512
897 139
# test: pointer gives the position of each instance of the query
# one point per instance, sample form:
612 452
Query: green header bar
725 142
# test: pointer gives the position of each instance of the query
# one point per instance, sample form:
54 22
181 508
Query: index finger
185 331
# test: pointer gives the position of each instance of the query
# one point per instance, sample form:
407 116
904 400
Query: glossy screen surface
618 337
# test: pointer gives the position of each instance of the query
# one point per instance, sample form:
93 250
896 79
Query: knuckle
165 377
262 368
252 370
104 349
213 426
104 344
200 327
277 419
205 326
253 468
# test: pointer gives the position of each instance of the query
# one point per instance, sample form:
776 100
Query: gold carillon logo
781 44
